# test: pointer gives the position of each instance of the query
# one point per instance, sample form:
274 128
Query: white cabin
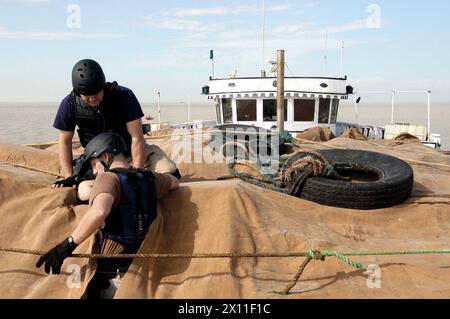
309 101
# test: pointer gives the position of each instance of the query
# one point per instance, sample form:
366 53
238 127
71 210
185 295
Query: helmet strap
107 166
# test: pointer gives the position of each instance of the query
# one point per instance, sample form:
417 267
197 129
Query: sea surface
27 123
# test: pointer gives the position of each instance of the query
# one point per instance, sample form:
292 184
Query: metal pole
280 90
159 107
342 60
189 108
429 114
211 56
356 111
263 37
393 106
325 55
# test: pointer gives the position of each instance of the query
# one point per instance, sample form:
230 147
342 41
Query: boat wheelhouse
309 101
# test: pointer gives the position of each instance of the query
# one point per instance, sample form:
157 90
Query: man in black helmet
123 199
95 106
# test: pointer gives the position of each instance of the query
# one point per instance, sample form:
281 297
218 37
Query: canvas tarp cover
206 215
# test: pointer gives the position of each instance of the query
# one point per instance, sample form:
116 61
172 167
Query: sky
152 46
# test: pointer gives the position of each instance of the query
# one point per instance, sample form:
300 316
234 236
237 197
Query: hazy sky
164 45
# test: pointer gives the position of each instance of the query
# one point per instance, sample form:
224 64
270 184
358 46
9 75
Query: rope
252 181
290 180
310 255
341 148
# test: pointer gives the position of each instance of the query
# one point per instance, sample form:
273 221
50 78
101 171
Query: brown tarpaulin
208 216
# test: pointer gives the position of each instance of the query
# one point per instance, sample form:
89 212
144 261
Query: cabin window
324 111
227 111
246 110
334 111
304 110
270 110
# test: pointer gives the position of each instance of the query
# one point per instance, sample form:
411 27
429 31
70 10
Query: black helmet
108 142
88 77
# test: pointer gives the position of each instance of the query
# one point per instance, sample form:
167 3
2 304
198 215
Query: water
27 123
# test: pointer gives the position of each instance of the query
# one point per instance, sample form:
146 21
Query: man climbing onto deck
95 106
123 200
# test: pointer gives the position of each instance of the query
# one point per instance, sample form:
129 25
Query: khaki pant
156 161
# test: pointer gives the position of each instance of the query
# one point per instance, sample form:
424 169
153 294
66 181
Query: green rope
399 252
328 253
320 255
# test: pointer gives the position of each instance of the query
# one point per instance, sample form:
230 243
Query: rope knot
315 255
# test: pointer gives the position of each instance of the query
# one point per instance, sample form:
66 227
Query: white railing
195 124
393 100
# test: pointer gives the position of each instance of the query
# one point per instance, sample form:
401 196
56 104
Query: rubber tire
393 187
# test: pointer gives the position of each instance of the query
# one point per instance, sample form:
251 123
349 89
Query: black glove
55 257
177 174
68 182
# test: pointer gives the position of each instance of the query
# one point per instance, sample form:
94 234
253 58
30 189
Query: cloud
170 23
195 12
312 4
183 19
55 35
240 42
25 1
347 27
181 13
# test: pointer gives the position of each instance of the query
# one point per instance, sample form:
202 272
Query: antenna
263 72
342 59
325 54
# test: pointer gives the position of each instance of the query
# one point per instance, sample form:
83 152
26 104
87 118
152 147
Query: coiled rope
289 180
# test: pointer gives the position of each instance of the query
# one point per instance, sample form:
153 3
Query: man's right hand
67 182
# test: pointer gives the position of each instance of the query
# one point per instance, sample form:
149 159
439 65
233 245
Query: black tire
387 181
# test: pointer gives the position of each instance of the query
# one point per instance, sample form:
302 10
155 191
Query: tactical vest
104 118
129 222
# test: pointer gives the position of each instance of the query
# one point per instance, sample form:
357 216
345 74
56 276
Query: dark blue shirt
127 103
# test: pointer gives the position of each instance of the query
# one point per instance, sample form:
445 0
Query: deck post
393 107
159 107
280 90
189 108
429 114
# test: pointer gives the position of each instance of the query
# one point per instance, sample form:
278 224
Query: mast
263 72
325 54
280 90
342 59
